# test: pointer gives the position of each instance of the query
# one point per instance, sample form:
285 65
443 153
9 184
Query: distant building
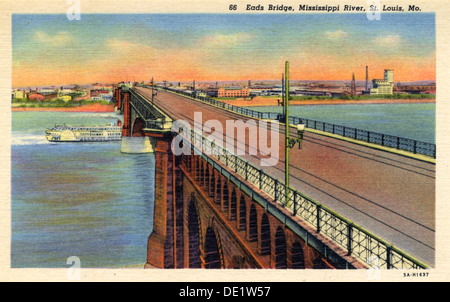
101 94
36 97
383 86
200 93
99 86
64 91
45 91
18 94
257 92
313 92
95 93
65 98
229 92
416 89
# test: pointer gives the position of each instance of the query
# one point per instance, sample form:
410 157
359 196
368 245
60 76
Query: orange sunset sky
51 50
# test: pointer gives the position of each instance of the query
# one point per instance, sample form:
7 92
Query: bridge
353 203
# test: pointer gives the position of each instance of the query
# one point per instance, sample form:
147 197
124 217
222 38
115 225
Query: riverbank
264 101
82 108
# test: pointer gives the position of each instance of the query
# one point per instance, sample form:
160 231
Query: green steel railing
357 241
386 140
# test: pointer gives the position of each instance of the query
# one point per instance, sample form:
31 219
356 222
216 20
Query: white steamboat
63 133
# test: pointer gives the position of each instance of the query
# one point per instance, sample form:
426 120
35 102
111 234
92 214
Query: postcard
230 140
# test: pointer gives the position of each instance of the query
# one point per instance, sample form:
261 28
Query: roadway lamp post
289 142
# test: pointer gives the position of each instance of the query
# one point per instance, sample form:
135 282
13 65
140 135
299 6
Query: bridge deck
391 195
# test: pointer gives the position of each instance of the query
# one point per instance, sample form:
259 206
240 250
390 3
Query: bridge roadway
390 195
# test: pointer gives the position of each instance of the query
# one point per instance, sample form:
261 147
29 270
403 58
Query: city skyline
51 50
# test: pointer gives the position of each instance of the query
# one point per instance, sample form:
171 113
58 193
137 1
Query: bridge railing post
349 238
226 158
276 189
318 209
296 201
388 257
260 178
246 170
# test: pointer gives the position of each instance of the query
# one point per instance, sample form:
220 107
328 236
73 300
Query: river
77 199
90 201
414 121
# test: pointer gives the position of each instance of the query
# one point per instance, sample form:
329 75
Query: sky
52 50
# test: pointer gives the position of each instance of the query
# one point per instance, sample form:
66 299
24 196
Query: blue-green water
77 199
91 201
414 121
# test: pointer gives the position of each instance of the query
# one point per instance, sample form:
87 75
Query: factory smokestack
367 78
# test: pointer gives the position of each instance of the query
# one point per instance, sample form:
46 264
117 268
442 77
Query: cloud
225 40
334 35
389 41
58 39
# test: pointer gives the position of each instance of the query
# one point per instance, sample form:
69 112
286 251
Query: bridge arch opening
265 235
233 206
138 127
225 197
280 249
297 257
212 252
242 214
194 236
253 224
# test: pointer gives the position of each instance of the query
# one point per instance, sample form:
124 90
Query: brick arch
280 249
233 205
194 229
212 250
297 256
265 235
138 127
242 225
253 224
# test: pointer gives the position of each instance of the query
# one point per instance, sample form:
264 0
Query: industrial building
229 92
383 86
416 89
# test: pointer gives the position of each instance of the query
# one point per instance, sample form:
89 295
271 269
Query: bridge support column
165 244
118 99
126 128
